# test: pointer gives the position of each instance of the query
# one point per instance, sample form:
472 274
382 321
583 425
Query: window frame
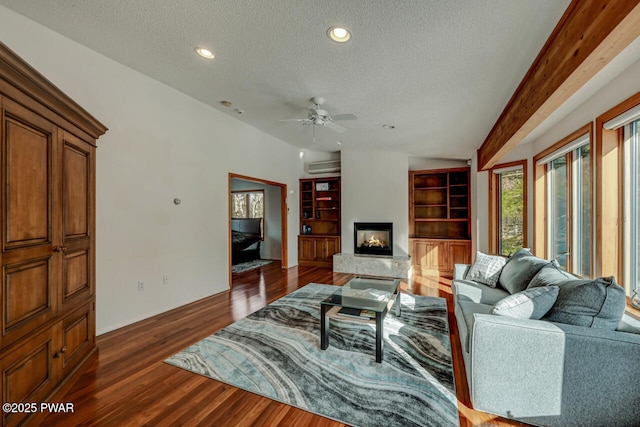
542 220
610 209
247 193
631 211
494 203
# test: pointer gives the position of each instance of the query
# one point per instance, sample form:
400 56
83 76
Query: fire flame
373 242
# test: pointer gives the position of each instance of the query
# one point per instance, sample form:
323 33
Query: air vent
327 166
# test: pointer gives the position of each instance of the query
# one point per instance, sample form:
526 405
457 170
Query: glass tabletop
364 293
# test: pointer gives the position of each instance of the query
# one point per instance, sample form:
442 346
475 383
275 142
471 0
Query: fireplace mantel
398 267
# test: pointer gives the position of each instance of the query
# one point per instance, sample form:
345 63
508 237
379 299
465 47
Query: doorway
272 196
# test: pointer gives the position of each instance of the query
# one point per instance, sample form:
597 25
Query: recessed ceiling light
339 34
205 53
388 126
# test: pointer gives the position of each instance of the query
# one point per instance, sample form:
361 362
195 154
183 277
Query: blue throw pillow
594 303
519 271
550 274
528 304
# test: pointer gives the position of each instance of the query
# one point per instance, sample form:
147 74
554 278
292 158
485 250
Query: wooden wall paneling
587 37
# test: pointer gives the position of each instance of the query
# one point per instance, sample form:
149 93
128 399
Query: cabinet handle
59 249
62 351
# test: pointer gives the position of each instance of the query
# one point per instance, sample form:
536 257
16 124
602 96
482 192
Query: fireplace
373 238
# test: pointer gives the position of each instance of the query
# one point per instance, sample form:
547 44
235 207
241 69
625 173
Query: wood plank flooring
128 384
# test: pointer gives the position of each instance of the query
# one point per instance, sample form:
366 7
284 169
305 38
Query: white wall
375 189
422 163
161 144
271 247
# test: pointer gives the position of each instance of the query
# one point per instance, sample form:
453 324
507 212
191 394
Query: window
508 207
631 188
558 215
618 214
566 193
248 204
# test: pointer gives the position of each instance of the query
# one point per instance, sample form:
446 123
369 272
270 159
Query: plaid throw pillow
486 269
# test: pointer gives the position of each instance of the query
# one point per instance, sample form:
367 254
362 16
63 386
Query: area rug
249 265
275 352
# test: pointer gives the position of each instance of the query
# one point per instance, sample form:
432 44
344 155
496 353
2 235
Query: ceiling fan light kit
320 117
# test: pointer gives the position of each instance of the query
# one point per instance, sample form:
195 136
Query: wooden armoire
47 208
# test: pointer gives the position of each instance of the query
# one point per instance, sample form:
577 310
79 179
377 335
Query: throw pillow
528 304
550 274
486 269
519 271
594 303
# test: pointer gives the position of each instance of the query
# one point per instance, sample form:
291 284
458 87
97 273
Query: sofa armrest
554 374
460 270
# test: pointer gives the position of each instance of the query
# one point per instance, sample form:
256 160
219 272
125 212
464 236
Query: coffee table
361 293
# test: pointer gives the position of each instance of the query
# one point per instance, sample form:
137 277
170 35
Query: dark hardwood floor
128 384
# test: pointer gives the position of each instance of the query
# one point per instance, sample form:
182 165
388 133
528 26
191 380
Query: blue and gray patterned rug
249 265
275 352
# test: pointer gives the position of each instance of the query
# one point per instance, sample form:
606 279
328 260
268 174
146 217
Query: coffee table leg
379 336
324 327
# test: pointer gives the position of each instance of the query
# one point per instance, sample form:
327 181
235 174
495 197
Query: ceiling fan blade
293 120
344 117
335 127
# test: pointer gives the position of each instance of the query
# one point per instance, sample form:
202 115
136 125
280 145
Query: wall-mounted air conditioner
326 166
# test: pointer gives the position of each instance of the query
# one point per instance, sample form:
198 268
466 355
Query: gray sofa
542 372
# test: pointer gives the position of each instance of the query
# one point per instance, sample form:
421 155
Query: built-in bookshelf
439 204
320 215
439 220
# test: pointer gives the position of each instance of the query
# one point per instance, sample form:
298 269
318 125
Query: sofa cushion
519 270
486 269
629 324
467 290
594 303
467 309
550 274
529 304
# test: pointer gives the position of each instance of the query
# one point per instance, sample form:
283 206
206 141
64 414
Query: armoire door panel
78 336
76 268
27 177
30 371
76 196
29 298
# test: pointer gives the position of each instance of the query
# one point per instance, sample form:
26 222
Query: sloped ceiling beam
589 35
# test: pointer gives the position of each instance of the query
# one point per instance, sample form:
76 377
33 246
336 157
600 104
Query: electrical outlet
140 286
165 280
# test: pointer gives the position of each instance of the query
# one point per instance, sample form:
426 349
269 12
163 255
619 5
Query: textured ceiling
440 71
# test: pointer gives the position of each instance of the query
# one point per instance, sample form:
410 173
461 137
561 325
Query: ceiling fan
319 117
